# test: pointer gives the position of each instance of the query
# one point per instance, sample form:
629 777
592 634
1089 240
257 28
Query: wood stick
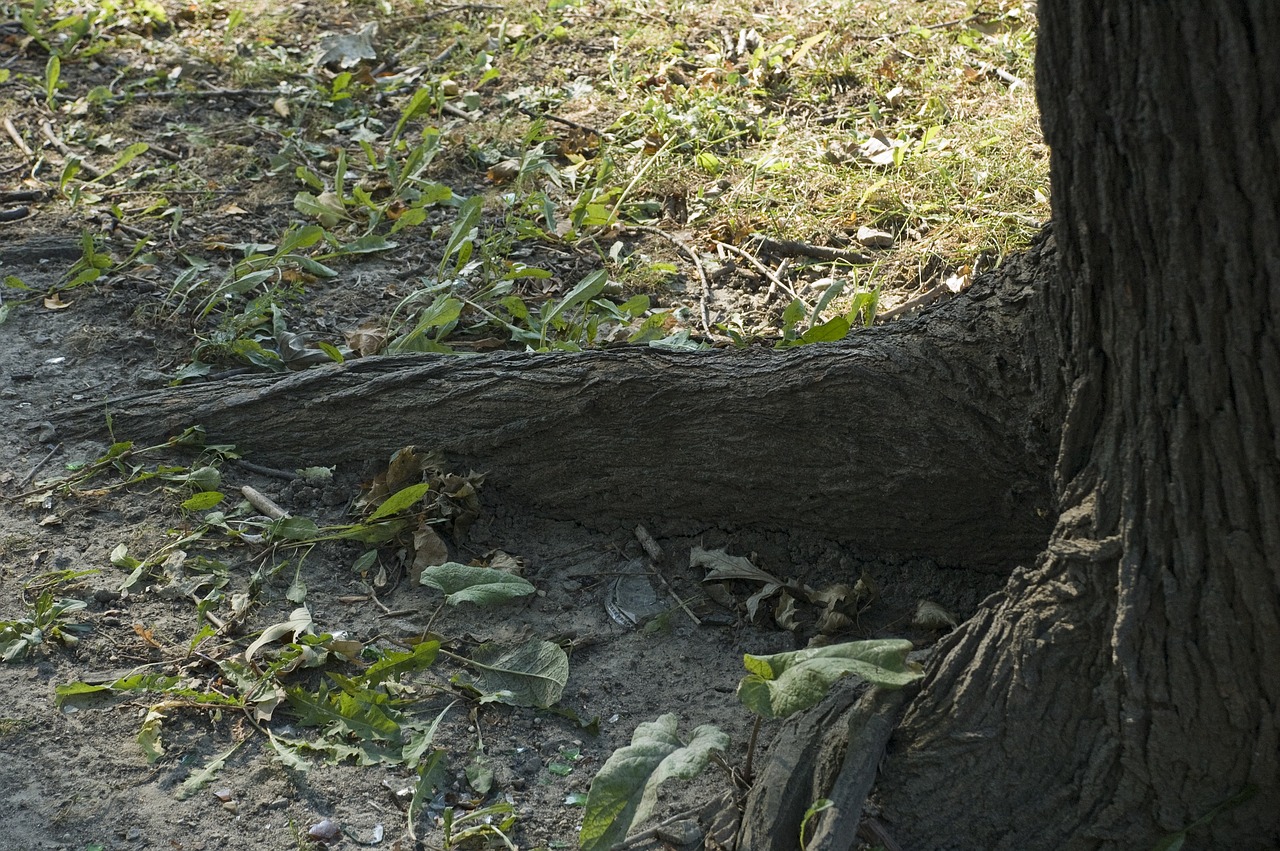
18 141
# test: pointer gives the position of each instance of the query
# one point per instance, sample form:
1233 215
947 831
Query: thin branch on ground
47 129
169 94
45 460
697 264
652 833
925 298
796 248
18 141
942 26
287 475
697 621
567 122
763 270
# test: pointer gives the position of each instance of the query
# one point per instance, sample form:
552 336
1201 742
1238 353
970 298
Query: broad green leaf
202 501
430 775
468 218
588 288
309 177
126 156
623 792
314 267
793 315
421 740
293 529
479 776
342 713
394 663
828 332
63 693
120 558
400 500
409 218
531 674
480 585
199 779
369 244
287 753
785 683
303 237
325 208
865 303
443 311
422 99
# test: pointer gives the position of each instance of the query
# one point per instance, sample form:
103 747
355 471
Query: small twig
47 129
681 603
263 503
440 57
926 297
18 141
567 122
39 464
287 475
764 270
22 195
1013 80
647 542
795 248
942 26
650 833
748 769
697 264
1020 218
218 623
167 94
779 274
165 152
458 112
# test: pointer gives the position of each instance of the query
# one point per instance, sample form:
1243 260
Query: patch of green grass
906 132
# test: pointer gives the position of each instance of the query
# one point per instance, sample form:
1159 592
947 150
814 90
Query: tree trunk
916 440
1130 682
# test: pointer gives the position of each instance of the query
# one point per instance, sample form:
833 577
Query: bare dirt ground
74 773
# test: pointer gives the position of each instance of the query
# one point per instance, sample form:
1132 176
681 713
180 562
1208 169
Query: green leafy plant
492 822
47 622
623 792
776 686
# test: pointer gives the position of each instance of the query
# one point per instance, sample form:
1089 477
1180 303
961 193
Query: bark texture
1130 682
914 440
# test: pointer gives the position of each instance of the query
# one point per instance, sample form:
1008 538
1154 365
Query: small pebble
325 831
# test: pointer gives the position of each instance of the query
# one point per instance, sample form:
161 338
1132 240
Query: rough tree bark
1130 681
916 440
